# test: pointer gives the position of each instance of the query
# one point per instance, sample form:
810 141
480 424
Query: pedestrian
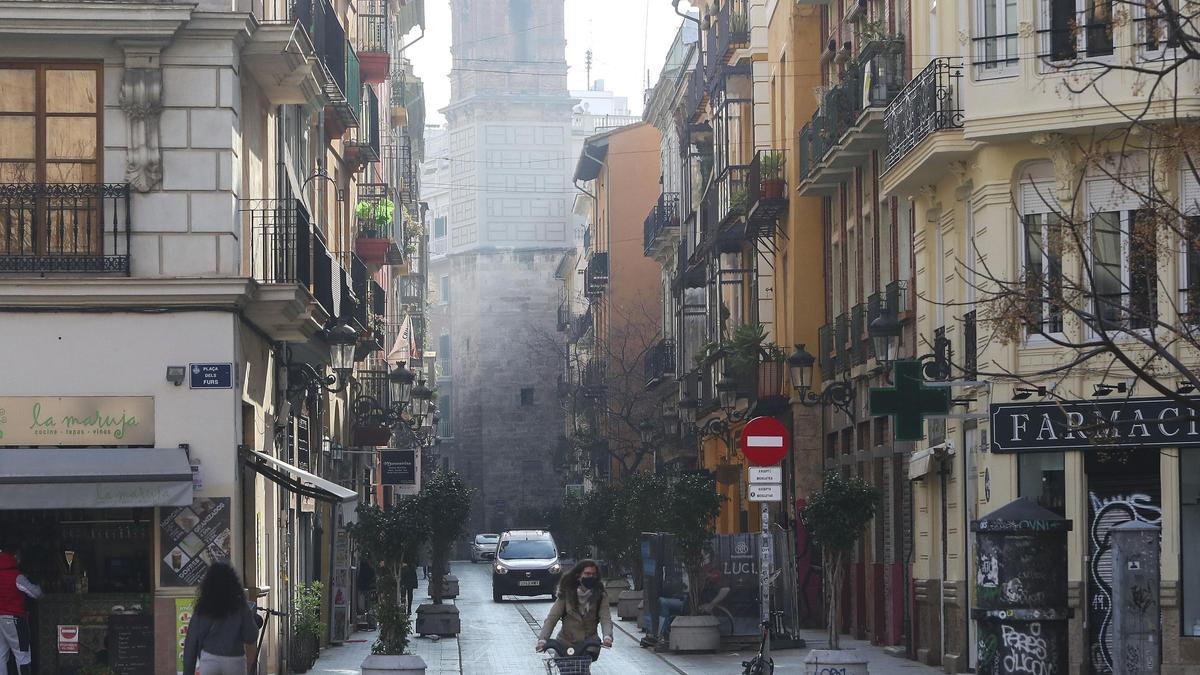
581 607
408 583
14 625
223 629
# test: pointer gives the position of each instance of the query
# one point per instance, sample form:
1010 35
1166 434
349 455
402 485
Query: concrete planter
449 586
695 634
614 588
627 604
439 620
833 662
383 665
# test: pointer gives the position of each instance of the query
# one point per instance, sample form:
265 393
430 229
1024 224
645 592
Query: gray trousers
14 639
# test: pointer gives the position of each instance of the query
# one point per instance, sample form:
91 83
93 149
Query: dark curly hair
568 584
221 593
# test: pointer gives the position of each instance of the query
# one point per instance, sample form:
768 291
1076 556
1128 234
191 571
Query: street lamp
647 432
400 384
727 393
885 334
687 410
342 340
421 396
800 369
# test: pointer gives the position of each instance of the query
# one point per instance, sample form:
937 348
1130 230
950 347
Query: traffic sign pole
765 442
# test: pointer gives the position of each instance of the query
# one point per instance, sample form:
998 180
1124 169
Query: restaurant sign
1080 425
76 420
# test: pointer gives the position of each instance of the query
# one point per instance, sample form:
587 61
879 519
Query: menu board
131 644
191 538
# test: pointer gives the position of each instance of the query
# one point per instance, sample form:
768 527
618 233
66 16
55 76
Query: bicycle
262 621
571 660
762 664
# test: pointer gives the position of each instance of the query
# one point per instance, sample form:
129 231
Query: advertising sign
76 420
398 467
183 616
191 538
68 639
1078 425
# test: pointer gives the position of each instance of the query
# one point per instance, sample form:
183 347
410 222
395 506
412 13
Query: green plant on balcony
739 22
374 217
772 165
746 347
738 199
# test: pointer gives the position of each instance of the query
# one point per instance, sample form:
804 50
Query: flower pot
449 586
772 188
378 664
372 250
840 661
695 633
627 604
438 620
614 588
304 652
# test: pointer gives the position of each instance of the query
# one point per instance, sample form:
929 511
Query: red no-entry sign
764 441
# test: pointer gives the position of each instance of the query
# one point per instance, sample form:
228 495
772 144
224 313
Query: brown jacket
575 626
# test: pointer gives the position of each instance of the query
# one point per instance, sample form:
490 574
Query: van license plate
528 583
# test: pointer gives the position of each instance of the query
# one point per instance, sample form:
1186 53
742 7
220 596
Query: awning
94 478
921 462
297 480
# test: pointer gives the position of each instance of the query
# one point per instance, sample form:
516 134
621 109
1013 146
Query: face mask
589 582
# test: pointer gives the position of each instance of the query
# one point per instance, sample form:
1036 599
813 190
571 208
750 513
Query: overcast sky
627 38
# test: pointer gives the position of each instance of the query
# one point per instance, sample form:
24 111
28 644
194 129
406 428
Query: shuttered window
1124 258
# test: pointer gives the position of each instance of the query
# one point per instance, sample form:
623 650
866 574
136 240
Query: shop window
1189 544
1041 478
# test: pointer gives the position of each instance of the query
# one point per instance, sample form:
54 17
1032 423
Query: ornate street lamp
421 397
727 393
342 340
885 335
400 384
800 370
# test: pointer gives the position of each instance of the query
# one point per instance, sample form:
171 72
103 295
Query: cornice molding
81 292
102 19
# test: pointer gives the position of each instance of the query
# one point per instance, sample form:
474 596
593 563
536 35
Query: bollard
1021 590
1135 599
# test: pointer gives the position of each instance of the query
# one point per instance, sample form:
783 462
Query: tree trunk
438 575
833 566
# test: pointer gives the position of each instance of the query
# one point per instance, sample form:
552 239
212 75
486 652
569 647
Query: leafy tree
447 502
836 516
388 538
639 507
693 505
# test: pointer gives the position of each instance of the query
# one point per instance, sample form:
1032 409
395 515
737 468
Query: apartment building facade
188 288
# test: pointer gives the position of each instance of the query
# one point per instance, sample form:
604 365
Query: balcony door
49 159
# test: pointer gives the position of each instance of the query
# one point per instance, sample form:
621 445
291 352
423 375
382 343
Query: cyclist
582 607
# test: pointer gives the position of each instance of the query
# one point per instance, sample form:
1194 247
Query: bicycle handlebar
268 610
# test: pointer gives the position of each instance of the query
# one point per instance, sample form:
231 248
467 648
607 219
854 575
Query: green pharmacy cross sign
909 402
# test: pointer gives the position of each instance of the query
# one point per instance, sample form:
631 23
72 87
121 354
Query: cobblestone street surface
498 639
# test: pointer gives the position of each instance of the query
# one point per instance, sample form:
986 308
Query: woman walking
222 631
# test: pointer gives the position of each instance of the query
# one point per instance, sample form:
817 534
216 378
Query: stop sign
764 441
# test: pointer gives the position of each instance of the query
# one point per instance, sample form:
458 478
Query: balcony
898 300
285 255
596 274
284 61
412 288
929 104
733 27
593 378
662 220
767 194
348 103
697 93
64 228
660 362
379 228
355 305
732 194
371 40
859 342
849 123
362 148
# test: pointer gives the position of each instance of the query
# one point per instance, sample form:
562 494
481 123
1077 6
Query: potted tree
306 626
835 517
693 505
639 507
447 501
772 164
387 538
374 218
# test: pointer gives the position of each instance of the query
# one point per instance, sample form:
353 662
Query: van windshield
526 549
487 539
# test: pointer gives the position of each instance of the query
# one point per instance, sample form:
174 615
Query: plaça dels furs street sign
1080 425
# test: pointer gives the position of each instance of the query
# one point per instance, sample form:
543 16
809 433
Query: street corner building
211 254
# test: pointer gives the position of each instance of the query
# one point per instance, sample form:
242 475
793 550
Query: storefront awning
94 478
297 480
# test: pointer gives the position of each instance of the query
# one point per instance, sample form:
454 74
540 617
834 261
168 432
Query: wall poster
191 538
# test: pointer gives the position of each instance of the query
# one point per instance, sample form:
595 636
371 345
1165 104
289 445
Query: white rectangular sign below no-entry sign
766 493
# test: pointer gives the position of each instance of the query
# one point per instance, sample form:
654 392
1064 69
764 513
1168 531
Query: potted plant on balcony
835 517
374 219
772 164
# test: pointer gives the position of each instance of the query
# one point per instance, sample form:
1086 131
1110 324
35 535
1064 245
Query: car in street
484 547
527 563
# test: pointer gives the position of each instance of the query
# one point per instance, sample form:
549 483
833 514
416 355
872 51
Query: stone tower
506 233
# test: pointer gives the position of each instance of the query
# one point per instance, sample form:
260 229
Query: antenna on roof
588 62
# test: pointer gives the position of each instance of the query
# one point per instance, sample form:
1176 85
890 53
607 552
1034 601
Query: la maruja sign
1078 425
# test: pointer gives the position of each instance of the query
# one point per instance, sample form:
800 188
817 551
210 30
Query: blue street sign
211 376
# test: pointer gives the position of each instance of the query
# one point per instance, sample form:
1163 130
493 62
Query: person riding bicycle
582 608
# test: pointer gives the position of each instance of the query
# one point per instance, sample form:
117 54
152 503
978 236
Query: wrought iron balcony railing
412 288
64 227
697 92
825 349
372 25
660 362
593 378
733 26
929 103
733 192
663 215
596 274
767 192
360 281
281 241
898 302
363 146
859 342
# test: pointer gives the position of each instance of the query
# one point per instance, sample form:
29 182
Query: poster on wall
341 586
191 538
183 616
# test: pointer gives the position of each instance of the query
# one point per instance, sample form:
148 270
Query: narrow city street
498 639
